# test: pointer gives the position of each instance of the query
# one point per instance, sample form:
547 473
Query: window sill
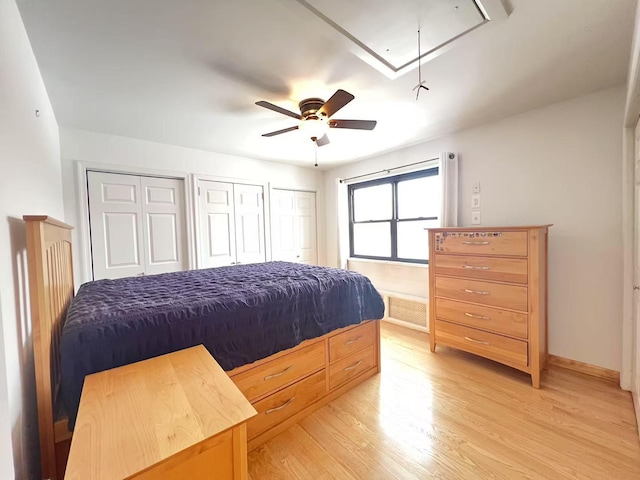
388 262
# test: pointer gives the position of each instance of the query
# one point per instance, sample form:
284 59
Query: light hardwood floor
452 415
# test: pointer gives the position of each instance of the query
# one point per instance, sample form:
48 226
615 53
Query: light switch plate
475 201
475 218
476 187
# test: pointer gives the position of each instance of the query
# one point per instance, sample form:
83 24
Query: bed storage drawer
485 318
486 293
483 268
346 343
482 243
283 404
489 345
351 366
271 376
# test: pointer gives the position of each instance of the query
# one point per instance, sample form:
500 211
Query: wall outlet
475 218
476 187
475 201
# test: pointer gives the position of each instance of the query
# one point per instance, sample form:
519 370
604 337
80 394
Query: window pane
413 239
419 197
372 239
372 203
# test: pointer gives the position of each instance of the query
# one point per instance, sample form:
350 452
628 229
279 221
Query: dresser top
138 415
483 228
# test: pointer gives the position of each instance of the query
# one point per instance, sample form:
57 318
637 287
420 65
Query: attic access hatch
383 32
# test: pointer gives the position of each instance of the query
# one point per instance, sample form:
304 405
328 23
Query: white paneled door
137 225
283 226
217 224
293 226
164 225
115 213
249 215
231 223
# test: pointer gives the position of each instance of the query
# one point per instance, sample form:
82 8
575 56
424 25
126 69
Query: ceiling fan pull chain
419 67
315 149
421 83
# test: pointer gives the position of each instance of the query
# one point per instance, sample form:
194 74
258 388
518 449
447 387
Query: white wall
30 183
96 148
561 164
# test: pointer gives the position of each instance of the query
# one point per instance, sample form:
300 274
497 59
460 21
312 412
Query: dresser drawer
351 366
486 293
492 243
345 343
484 318
281 405
489 345
484 268
274 374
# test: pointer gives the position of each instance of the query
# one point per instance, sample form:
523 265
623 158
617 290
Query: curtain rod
388 170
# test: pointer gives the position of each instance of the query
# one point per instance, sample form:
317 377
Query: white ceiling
188 72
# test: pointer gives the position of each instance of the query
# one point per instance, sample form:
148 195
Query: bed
292 337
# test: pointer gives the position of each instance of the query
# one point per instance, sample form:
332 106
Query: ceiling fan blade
278 109
278 132
323 140
354 124
336 102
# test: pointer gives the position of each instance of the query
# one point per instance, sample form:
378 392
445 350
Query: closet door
164 225
283 226
306 230
293 226
115 214
249 218
217 224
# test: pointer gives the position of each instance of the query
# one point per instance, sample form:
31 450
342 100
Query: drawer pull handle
351 342
274 375
473 315
284 405
352 367
476 267
477 292
476 243
476 341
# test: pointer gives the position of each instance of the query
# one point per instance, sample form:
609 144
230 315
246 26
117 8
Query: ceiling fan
315 117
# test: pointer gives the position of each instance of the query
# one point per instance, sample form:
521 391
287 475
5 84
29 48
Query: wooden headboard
51 289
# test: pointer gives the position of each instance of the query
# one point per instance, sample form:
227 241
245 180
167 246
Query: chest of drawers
488 293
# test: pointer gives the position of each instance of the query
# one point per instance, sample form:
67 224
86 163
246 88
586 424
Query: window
388 216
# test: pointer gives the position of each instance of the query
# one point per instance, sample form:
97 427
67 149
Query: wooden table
177 416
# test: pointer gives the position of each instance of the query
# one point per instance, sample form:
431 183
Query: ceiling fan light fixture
314 127
316 117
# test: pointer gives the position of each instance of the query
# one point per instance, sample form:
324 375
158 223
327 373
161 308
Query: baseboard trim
636 406
593 370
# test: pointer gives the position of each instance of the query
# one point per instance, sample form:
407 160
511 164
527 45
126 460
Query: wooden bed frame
284 387
51 290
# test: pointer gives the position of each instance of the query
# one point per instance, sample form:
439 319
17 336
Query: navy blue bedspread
240 314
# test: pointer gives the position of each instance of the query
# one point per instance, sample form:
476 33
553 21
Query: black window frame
393 181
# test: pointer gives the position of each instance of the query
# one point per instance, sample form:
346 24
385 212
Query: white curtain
342 197
448 172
